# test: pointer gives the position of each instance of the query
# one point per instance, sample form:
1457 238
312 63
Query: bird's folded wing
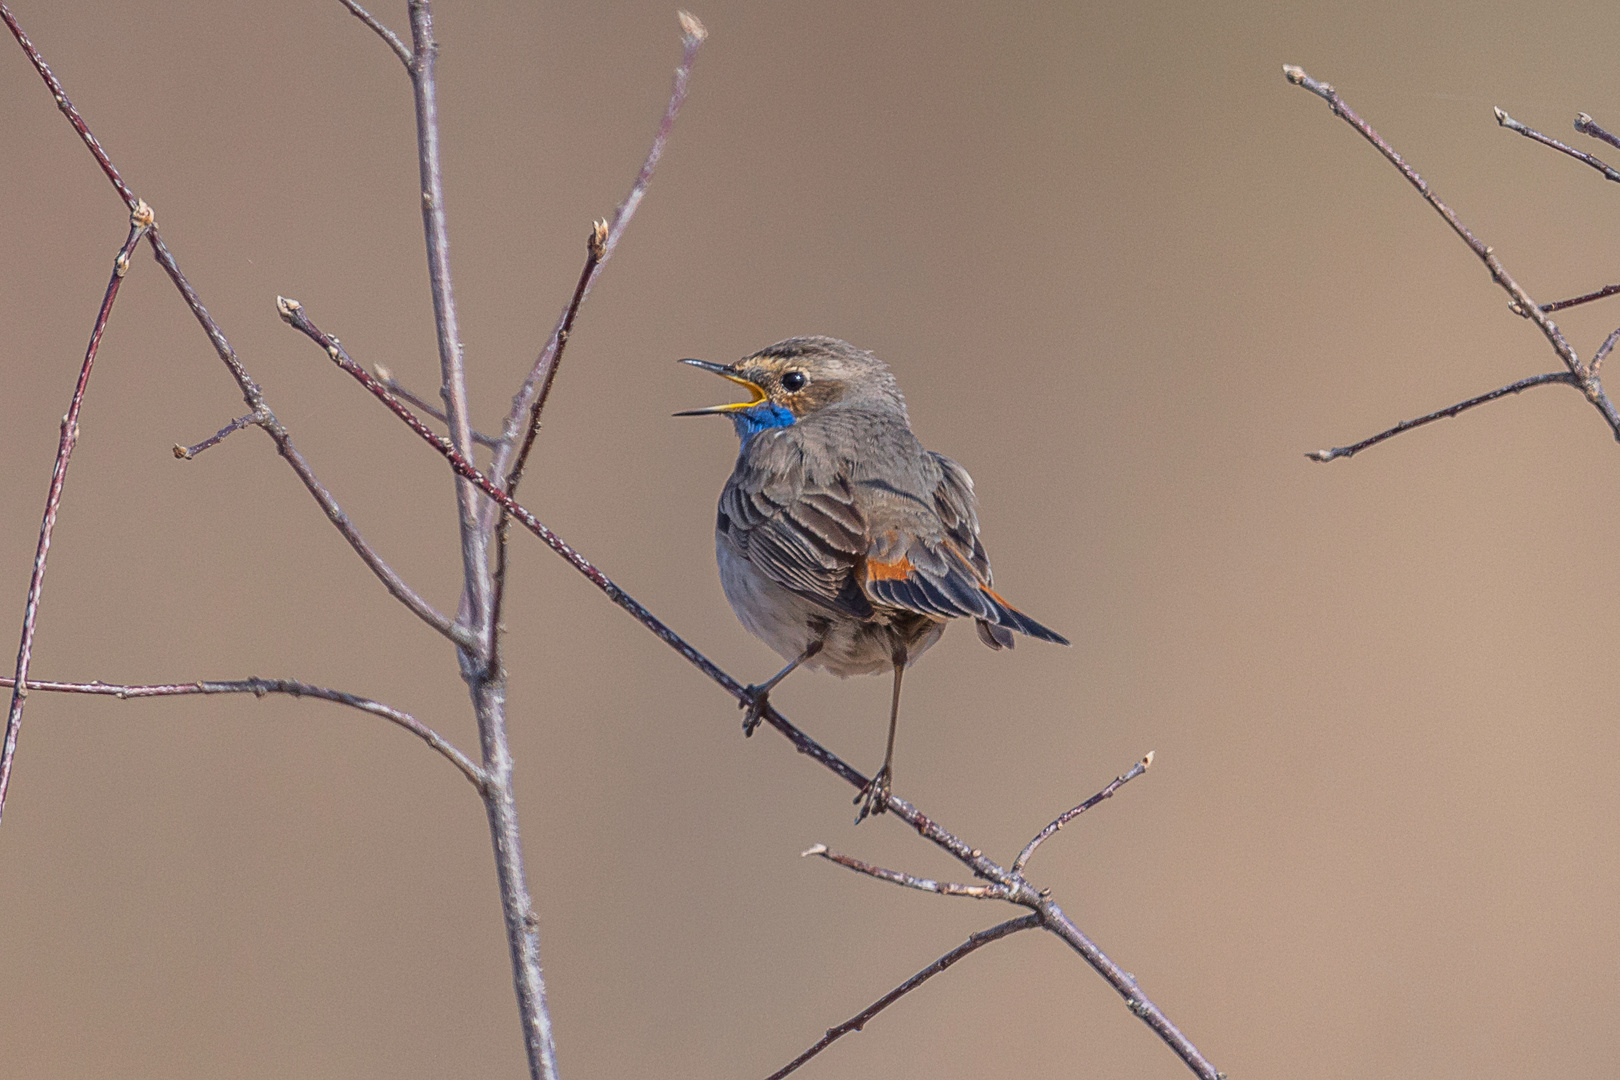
805 535
929 559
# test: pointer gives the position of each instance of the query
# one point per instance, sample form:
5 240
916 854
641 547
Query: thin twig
1604 350
474 557
186 453
1560 305
1609 172
860 1019
259 688
404 393
1069 815
910 881
1587 382
1442 414
382 31
1587 126
692 37
140 221
594 250
1019 891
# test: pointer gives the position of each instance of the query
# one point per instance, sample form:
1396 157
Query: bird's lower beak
725 372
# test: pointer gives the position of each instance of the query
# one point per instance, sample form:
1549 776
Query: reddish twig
140 222
1069 815
1608 171
259 688
1582 377
595 249
692 37
1560 305
910 881
859 1020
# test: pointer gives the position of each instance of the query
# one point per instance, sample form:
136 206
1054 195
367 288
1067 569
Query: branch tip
692 29
1294 73
815 849
1502 117
1147 761
287 309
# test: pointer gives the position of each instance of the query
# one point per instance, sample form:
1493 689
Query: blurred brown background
1125 273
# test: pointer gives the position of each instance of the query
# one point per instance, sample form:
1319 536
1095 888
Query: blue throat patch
762 417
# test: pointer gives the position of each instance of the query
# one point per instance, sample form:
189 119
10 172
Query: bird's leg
759 695
874 797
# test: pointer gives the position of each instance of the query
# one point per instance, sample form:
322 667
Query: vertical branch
486 681
474 561
140 220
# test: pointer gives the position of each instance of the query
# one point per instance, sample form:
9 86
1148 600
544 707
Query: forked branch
1583 377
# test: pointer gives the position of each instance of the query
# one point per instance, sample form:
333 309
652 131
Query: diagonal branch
140 221
1069 815
1019 891
910 881
1587 298
1608 171
426 407
376 24
859 1020
1449 411
259 688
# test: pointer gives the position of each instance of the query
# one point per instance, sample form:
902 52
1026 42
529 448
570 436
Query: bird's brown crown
803 375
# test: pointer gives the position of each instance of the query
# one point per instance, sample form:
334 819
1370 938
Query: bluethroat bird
843 544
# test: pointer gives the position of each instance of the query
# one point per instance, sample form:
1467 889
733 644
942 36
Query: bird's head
800 376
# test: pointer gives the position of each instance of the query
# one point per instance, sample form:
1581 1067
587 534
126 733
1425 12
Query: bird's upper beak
725 372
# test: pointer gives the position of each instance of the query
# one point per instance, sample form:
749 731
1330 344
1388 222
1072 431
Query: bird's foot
754 706
873 799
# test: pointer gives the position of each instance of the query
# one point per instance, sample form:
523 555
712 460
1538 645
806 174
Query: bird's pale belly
788 622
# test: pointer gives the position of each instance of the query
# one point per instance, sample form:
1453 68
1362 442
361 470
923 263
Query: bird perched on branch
842 543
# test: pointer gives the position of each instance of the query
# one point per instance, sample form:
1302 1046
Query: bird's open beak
725 372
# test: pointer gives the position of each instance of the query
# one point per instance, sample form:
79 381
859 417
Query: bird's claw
753 707
873 799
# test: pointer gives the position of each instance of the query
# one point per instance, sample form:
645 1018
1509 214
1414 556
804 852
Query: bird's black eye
794 381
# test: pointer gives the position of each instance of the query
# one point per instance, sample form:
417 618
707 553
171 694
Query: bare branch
1560 305
404 393
1587 382
72 114
594 250
1563 377
382 31
1069 815
140 222
186 453
259 688
1587 126
1603 350
859 1020
692 37
910 881
1019 891
1609 173
474 558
